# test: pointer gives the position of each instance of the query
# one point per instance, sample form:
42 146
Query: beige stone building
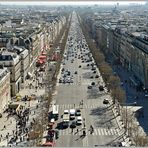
12 61
4 88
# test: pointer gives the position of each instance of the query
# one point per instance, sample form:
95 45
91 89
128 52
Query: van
72 114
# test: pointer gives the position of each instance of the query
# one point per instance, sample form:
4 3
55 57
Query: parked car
76 72
105 101
89 87
101 88
93 83
96 76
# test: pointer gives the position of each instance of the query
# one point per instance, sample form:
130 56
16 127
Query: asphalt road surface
69 95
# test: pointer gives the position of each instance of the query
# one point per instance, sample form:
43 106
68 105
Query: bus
55 111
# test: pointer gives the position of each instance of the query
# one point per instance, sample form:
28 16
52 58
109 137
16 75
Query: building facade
4 88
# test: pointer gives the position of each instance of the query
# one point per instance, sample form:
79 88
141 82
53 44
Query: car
76 72
93 68
79 66
105 101
72 114
94 71
66 111
93 83
73 124
89 87
87 64
96 76
62 69
91 77
78 112
65 124
60 81
79 120
101 88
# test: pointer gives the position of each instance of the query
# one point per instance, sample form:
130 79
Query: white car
66 111
79 120
72 114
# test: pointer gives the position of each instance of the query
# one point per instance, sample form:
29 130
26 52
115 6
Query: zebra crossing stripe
116 133
105 131
95 131
99 132
112 132
109 132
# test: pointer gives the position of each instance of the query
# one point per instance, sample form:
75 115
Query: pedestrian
4 127
13 132
72 130
20 139
84 124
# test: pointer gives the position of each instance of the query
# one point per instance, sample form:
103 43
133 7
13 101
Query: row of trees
42 120
113 84
111 80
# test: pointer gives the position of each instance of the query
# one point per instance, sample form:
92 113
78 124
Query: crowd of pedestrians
23 120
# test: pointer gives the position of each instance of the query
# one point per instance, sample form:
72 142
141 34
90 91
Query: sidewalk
10 122
131 93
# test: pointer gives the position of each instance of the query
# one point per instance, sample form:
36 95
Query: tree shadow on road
115 140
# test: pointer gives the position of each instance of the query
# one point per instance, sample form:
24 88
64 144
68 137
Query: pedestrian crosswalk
69 106
97 132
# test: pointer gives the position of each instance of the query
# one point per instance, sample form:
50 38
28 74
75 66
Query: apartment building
4 88
12 61
24 58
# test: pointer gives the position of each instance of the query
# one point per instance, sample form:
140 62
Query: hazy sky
58 2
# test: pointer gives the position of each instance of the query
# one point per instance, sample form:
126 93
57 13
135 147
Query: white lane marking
112 131
109 132
95 131
105 131
101 131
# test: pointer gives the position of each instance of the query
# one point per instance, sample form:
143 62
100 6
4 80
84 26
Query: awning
42 57
48 144
44 53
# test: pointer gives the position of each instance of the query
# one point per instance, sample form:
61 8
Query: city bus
55 111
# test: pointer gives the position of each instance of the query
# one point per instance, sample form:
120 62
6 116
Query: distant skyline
71 2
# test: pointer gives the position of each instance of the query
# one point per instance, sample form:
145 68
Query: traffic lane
95 141
69 94
69 141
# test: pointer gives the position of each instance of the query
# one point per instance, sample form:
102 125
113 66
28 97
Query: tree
106 71
114 82
118 94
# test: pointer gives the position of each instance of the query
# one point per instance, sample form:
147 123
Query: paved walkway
10 123
131 96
